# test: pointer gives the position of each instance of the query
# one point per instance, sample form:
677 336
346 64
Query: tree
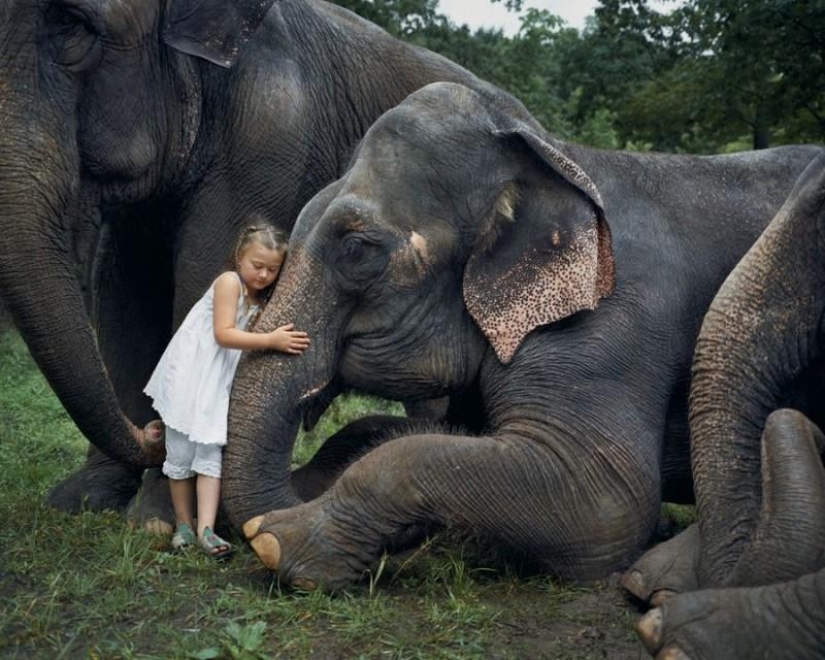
398 17
724 70
770 54
523 65
706 76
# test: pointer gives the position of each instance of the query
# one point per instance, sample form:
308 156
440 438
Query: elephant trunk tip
151 441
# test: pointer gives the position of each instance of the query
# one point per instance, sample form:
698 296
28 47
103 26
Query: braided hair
266 236
261 233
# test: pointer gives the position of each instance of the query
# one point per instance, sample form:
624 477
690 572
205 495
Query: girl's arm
227 291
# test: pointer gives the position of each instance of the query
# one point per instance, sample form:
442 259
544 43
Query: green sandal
213 545
183 537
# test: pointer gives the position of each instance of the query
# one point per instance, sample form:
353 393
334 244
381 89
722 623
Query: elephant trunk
39 189
269 394
759 336
790 538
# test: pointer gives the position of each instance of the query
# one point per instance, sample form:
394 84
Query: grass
88 586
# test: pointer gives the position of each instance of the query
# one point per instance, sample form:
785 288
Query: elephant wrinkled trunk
263 425
41 290
790 538
269 394
772 305
258 456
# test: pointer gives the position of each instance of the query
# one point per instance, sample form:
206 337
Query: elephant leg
667 569
495 489
677 479
152 506
345 447
130 303
781 621
101 483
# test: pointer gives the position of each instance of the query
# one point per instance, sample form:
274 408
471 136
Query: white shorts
185 459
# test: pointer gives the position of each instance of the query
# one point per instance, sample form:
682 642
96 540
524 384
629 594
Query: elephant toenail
634 583
268 549
305 584
661 596
649 629
673 653
252 526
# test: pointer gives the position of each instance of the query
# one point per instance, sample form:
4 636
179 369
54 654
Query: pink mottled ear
543 254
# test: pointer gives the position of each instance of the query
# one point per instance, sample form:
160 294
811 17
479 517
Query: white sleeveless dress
191 383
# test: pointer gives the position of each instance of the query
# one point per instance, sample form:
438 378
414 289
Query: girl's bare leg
209 494
182 491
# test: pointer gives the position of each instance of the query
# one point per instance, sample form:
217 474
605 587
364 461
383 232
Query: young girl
191 383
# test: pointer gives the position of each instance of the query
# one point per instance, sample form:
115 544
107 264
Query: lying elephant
467 253
760 550
137 137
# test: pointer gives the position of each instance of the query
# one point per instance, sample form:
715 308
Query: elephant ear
214 30
544 253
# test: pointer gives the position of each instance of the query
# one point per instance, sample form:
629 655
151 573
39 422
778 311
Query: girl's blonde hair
264 234
261 233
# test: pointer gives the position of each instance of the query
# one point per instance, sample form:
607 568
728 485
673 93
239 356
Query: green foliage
718 71
706 76
343 410
398 17
238 642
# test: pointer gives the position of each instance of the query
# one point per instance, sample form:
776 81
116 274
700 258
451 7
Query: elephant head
100 106
458 229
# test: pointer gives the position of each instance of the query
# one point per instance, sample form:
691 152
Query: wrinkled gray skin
466 252
759 386
136 138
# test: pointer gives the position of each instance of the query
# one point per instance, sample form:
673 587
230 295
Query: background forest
707 76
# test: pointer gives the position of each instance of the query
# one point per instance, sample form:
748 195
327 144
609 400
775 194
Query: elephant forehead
422 136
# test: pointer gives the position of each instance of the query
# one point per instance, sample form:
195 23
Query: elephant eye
72 41
354 246
361 258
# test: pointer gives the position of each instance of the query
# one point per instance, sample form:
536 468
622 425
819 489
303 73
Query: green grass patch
89 586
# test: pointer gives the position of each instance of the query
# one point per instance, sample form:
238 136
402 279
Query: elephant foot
666 570
151 507
100 484
725 624
306 550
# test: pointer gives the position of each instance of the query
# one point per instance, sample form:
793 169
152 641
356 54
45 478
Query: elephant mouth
315 401
123 188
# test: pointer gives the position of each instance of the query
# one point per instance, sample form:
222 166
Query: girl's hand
288 340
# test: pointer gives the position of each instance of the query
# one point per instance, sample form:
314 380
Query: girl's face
259 266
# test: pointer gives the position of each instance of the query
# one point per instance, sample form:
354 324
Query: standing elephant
467 253
137 138
759 372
